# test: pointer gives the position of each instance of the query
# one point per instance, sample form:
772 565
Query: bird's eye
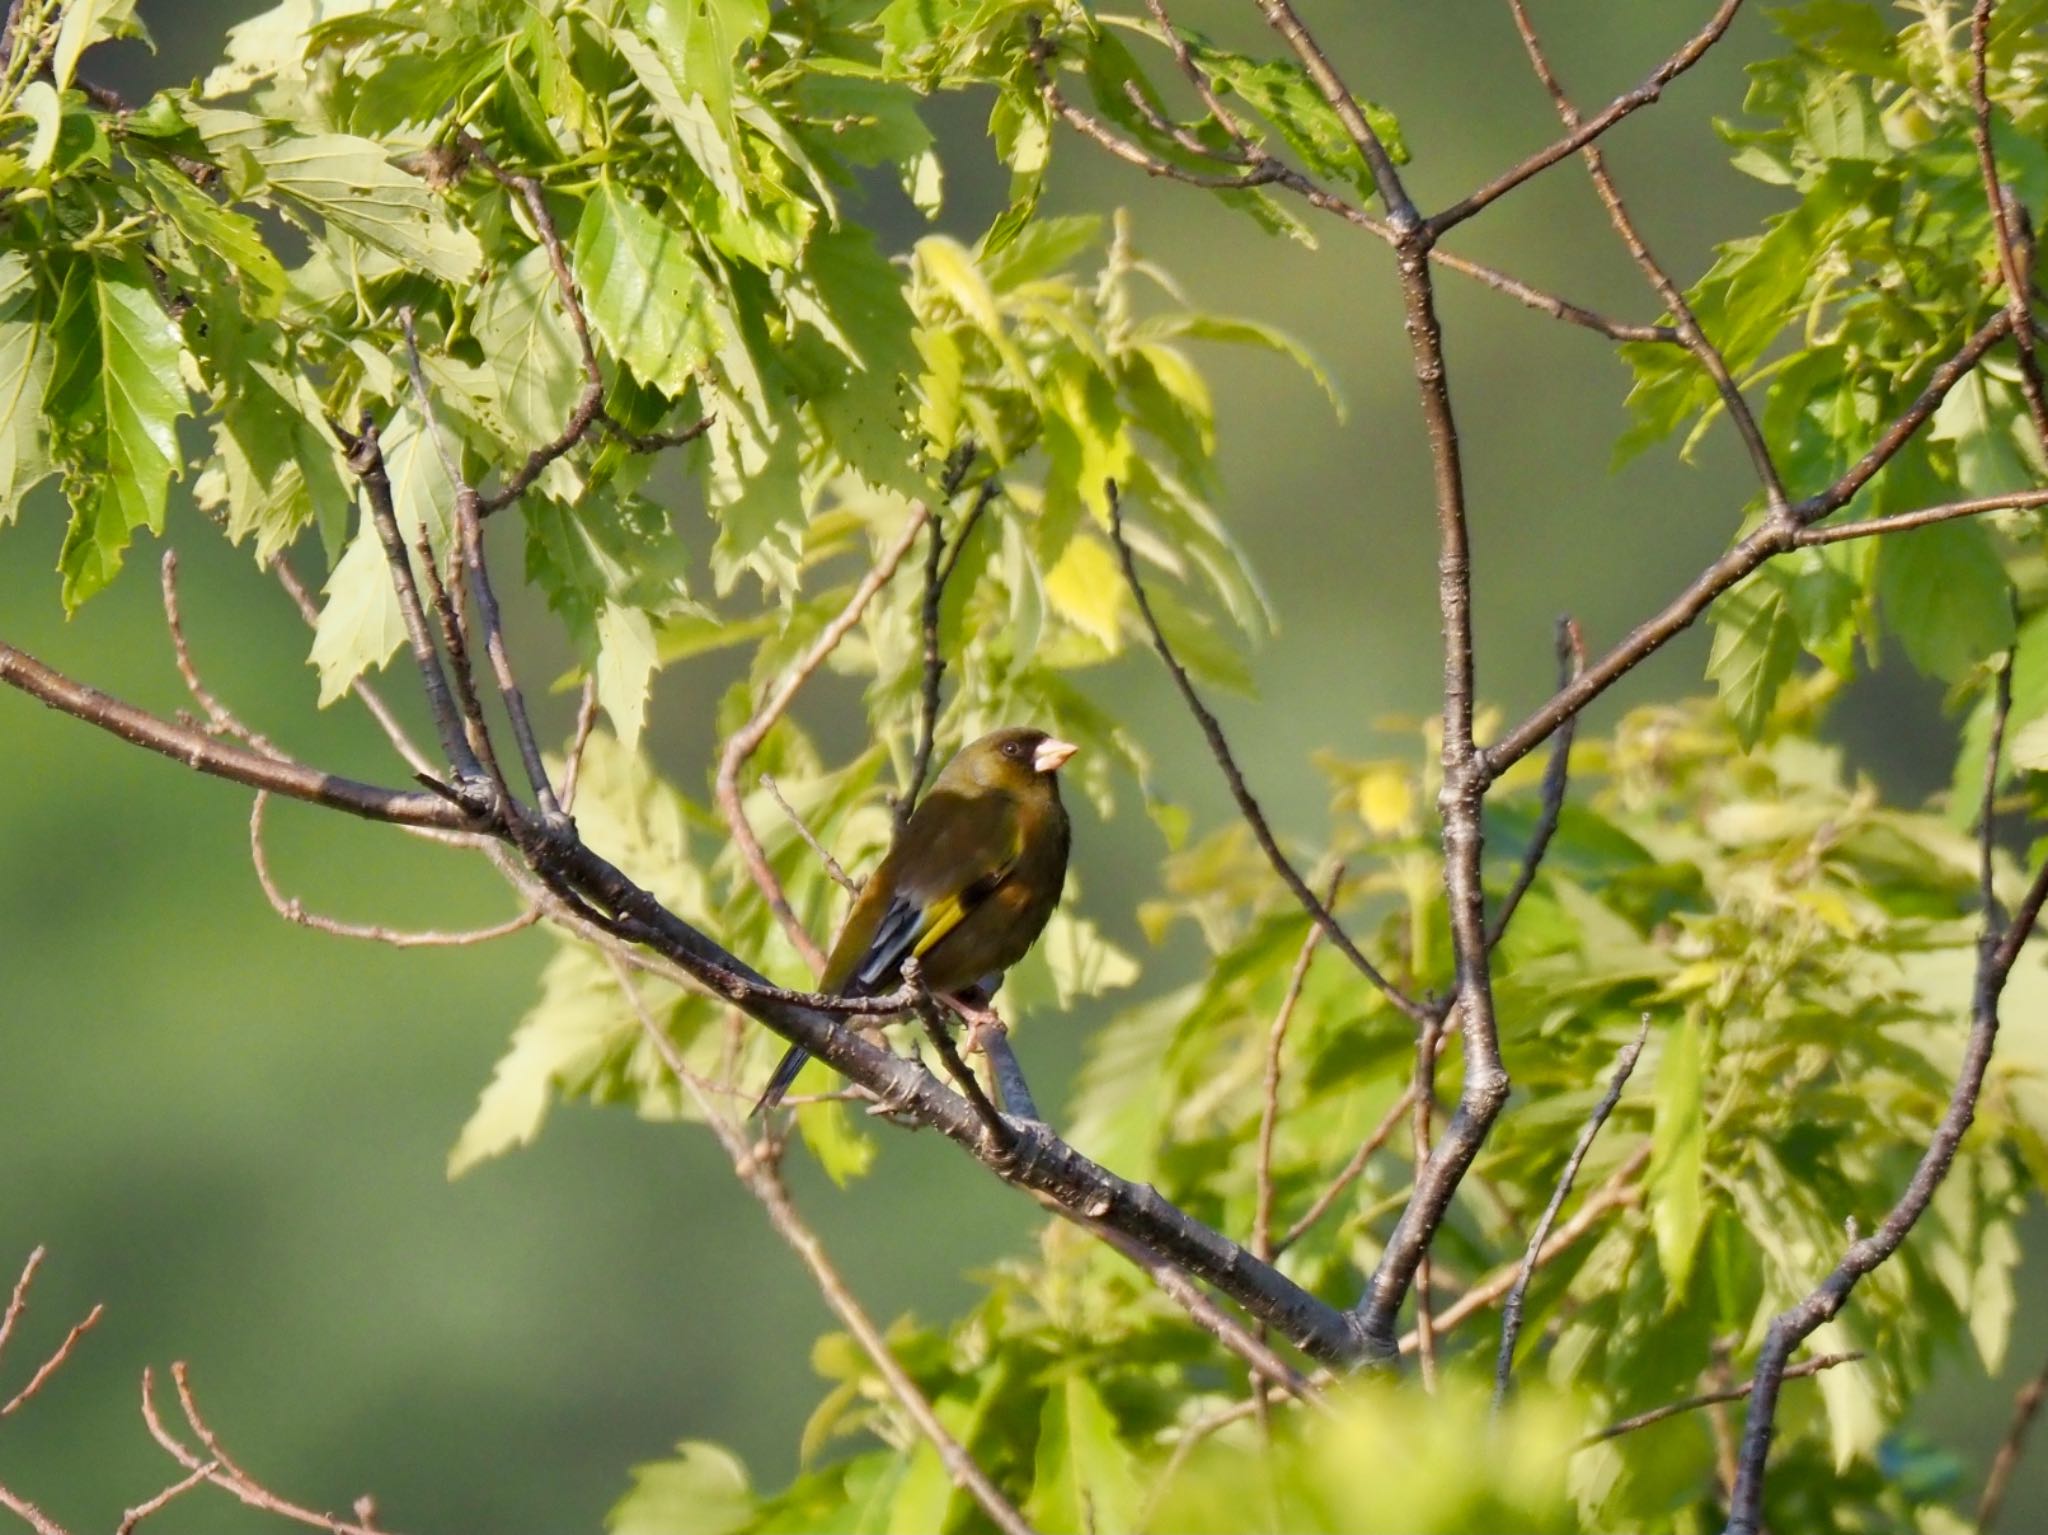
1012 749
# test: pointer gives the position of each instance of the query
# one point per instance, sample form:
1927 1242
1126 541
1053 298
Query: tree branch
2026 1405
2009 223
1749 552
1571 660
761 1178
1248 807
1581 134
1041 1161
1687 324
1511 1313
1269 1098
1998 952
1733 1394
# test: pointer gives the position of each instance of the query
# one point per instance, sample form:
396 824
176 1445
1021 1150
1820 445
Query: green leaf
529 354
579 1019
219 231
349 183
703 1491
114 397
1085 1476
1945 595
844 1151
1676 1181
626 660
24 375
360 626
1756 643
646 294
1240 332
84 23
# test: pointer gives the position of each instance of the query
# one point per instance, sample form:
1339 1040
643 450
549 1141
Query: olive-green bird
967 886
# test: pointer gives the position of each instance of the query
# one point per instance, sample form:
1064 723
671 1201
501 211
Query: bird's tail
792 1063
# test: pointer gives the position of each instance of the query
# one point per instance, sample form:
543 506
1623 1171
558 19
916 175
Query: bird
967 885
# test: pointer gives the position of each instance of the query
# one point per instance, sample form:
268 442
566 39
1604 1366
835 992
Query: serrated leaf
529 353
626 660
645 292
1945 595
703 1491
84 23
351 184
1234 331
579 1018
1756 643
1086 588
115 397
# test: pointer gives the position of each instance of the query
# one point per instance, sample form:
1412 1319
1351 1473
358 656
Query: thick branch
196 749
1040 1162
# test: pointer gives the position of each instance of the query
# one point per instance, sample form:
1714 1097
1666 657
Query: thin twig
1580 134
1281 17
290 908
744 742
364 691
1348 1174
1987 828
1511 1312
832 866
53 1364
2025 1406
1708 1399
1002 1135
1265 1365
1269 1097
2009 224
18 1301
29 1514
937 571
366 460
1749 553
1999 951
1685 321
218 1469
469 539
1618 1191
579 741
1571 660
1248 807
141 1511
1902 522
764 1182
220 719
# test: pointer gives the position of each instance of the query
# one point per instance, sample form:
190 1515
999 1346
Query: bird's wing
954 860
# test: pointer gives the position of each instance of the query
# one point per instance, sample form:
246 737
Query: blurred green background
232 1131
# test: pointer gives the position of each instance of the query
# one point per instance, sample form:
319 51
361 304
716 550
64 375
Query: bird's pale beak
1052 754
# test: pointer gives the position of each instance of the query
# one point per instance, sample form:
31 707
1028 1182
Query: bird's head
1017 760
